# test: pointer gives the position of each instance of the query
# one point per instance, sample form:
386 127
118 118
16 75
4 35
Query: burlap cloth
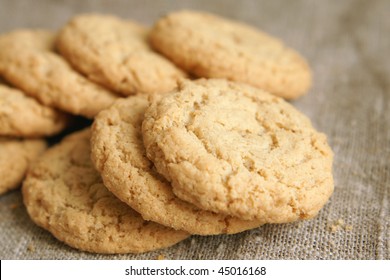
348 46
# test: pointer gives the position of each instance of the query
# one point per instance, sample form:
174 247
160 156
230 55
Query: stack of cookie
173 156
23 124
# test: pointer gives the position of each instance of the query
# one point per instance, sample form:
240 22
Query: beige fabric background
347 44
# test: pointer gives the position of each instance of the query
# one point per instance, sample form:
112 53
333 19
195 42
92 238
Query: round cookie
15 157
115 53
120 157
213 47
23 116
27 60
64 194
234 149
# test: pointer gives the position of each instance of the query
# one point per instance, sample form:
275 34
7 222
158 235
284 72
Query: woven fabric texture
347 45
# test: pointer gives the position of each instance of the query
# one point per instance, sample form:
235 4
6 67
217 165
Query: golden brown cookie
234 149
27 61
15 157
119 155
213 47
64 194
114 53
23 116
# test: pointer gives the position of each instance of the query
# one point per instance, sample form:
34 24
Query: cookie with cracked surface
27 61
15 158
64 194
115 53
23 116
119 155
234 149
210 46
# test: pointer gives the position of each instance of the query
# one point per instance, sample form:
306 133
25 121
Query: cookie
64 194
115 53
210 46
15 157
120 157
23 116
237 150
27 61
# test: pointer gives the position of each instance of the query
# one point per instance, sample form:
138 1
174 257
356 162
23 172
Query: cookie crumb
338 225
348 227
258 239
160 257
31 247
333 228
220 248
340 222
